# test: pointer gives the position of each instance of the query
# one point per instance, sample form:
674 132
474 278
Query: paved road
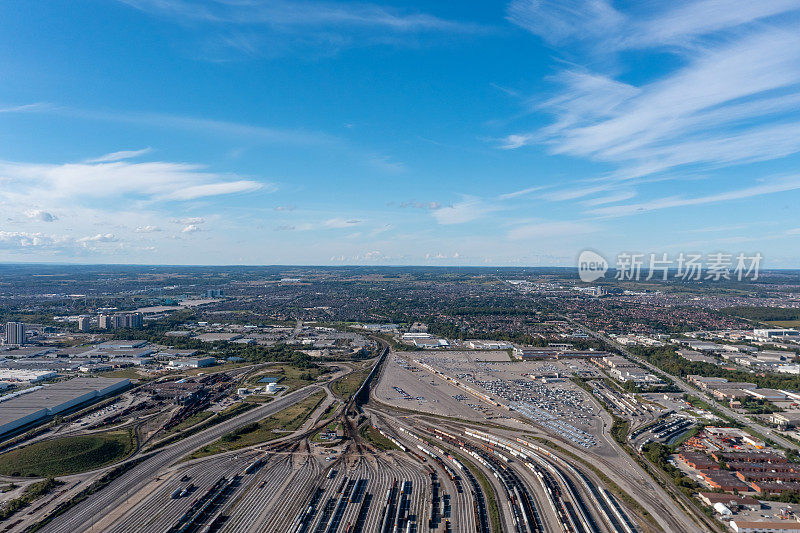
83 516
298 327
685 387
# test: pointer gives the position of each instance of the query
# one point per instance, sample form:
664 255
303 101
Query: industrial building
192 362
31 376
781 333
26 409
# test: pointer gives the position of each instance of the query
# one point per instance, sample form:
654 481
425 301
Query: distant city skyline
513 133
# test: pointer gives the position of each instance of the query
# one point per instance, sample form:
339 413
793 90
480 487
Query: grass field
285 421
130 373
68 455
785 323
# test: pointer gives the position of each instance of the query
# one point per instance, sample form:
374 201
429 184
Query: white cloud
215 189
39 106
100 237
732 98
341 223
147 229
775 185
515 140
681 23
421 205
189 220
120 155
18 239
253 29
523 192
559 20
150 180
469 209
546 230
42 216
191 228
620 196
286 15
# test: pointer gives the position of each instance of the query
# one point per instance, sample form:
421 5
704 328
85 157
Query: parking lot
483 386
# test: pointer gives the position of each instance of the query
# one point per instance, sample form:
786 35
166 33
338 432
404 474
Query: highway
685 387
83 516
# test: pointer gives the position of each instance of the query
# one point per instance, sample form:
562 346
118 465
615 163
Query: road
295 332
685 387
83 516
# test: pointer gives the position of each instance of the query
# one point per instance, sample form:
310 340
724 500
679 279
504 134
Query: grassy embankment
174 435
372 436
68 455
348 385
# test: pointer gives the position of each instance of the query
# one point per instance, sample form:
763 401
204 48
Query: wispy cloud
731 98
775 185
120 155
249 27
35 107
522 192
550 230
337 223
154 181
610 199
684 23
420 205
469 209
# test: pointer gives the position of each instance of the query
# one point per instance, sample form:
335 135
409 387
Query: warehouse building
50 400
192 362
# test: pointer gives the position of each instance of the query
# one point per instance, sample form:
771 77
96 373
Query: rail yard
463 444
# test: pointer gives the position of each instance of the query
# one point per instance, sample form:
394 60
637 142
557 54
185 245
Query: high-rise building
104 322
83 323
135 320
118 321
125 320
15 333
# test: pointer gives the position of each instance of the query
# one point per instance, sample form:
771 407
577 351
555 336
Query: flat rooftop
57 394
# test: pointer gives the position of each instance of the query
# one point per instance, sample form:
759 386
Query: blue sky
433 133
